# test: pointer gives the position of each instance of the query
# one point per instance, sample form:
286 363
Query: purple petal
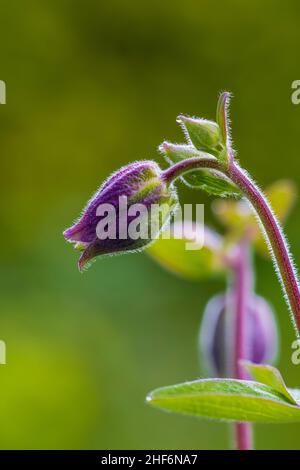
125 182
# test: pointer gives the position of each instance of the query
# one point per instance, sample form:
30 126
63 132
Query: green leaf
271 376
295 392
226 400
211 183
172 253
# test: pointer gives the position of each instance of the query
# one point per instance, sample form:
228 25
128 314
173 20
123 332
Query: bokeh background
91 86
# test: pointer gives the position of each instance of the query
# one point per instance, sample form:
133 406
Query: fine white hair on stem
269 244
229 143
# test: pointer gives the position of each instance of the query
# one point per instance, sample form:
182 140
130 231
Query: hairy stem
241 293
271 228
180 168
282 257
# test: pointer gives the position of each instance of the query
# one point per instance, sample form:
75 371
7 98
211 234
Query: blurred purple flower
216 335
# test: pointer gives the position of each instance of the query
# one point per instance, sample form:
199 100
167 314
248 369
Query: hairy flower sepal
203 134
125 214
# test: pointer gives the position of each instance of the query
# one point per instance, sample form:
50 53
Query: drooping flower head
125 214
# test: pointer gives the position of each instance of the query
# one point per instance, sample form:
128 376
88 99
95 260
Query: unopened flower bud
204 135
176 152
217 333
120 215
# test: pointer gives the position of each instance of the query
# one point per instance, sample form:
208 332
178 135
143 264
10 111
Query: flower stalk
275 238
241 293
185 166
271 228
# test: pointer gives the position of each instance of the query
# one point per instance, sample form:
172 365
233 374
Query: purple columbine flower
125 214
216 339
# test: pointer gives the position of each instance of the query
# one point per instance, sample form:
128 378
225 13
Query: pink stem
243 436
271 228
242 290
274 236
180 168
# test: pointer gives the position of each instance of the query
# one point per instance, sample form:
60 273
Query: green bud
176 152
204 135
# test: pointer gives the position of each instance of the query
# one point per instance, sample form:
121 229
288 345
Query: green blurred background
91 86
